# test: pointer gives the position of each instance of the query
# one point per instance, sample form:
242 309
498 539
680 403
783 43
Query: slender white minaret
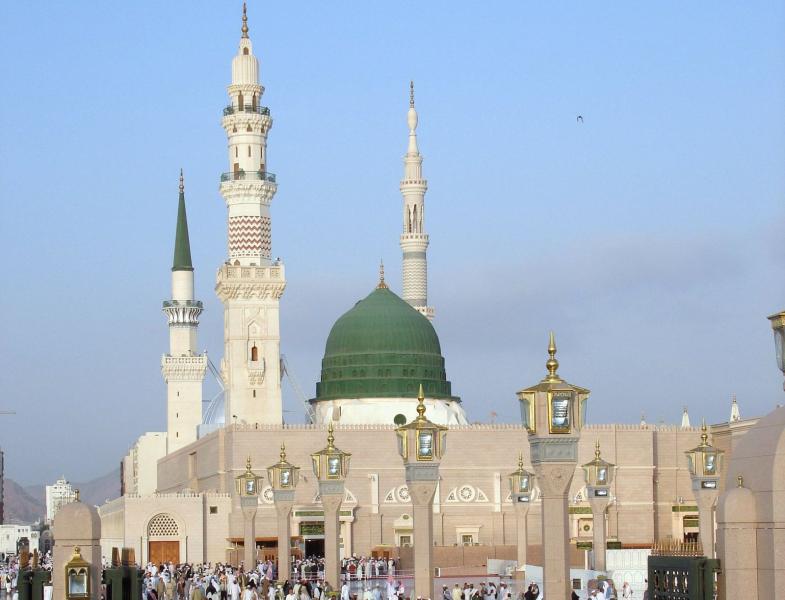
685 419
414 240
182 368
248 283
735 415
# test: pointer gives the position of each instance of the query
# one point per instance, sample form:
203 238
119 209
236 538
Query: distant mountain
28 504
20 506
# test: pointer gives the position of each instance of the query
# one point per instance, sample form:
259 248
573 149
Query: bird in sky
579 119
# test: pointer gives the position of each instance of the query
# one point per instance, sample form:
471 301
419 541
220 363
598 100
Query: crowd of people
9 574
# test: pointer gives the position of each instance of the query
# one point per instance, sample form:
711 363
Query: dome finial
420 404
245 22
382 285
740 481
182 183
552 365
411 94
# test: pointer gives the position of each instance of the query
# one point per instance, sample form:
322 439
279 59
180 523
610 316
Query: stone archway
163 539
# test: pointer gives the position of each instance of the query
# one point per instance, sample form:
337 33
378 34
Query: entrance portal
164 552
314 547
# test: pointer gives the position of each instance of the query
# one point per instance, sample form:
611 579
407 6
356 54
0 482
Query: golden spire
245 22
740 481
597 450
330 437
704 435
283 452
411 94
248 464
182 184
382 285
420 405
520 461
552 365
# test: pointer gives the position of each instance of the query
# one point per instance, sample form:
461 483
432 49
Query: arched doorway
163 535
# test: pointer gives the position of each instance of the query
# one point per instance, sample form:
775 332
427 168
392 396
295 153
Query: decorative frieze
183 368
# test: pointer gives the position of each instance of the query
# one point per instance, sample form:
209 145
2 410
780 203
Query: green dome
382 348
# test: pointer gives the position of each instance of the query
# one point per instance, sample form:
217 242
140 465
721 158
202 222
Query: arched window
163 526
245 51
253 102
236 152
240 101
254 353
408 219
249 151
248 129
414 218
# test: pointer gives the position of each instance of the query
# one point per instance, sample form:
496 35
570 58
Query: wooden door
163 552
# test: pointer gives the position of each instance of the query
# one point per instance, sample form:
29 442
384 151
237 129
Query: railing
184 303
248 176
260 110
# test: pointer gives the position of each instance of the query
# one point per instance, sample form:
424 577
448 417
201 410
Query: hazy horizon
649 237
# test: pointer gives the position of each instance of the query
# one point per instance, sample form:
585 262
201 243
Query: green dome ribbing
382 348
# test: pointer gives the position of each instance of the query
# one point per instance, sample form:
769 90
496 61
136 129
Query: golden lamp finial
382 285
411 94
245 22
597 450
420 405
552 365
330 437
740 481
704 435
182 183
520 461
76 494
248 464
283 452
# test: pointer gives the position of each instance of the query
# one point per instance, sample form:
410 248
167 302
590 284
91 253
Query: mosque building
376 357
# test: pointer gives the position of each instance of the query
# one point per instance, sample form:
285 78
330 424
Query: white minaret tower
182 368
414 240
249 284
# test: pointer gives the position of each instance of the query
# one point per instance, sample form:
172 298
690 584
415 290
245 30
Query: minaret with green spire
183 368
182 245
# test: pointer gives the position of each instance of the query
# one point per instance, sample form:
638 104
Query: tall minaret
414 240
249 284
183 369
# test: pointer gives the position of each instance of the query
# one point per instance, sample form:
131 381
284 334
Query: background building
2 480
57 496
139 470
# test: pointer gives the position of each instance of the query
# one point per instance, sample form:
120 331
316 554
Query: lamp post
554 412
705 464
248 487
778 325
283 478
421 445
331 465
598 474
521 486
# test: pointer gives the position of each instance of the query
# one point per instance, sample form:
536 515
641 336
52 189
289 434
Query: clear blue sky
650 238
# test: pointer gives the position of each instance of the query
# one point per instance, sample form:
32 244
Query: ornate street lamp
248 487
331 466
554 412
778 325
705 464
599 475
521 489
283 478
421 445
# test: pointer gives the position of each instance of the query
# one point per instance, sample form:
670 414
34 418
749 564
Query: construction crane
287 370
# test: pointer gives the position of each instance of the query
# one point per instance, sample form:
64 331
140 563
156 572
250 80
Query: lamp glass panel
77 583
250 486
286 477
525 411
560 413
523 484
334 466
710 463
779 344
602 476
425 444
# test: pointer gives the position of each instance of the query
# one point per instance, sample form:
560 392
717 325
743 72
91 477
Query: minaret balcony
248 108
248 176
183 312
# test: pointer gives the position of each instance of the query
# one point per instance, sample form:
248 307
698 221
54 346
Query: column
249 506
521 516
554 481
599 541
332 544
283 510
705 500
422 493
